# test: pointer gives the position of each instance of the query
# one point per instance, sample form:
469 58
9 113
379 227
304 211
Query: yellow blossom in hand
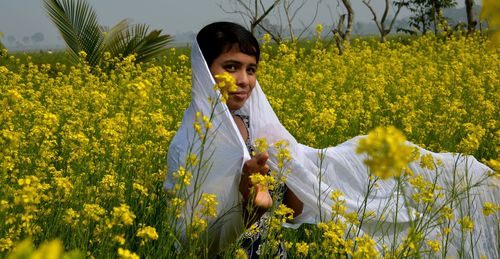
261 145
266 181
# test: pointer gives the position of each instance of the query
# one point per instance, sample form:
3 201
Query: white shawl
342 169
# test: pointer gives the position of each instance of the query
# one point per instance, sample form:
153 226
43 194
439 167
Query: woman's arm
293 202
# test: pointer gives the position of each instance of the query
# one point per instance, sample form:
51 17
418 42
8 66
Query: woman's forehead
236 54
237 47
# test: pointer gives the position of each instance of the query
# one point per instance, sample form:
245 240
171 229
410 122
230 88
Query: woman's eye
230 68
251 71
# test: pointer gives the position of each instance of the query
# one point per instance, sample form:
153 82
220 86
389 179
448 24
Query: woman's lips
239 95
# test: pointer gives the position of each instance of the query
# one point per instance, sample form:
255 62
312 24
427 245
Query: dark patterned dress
252 237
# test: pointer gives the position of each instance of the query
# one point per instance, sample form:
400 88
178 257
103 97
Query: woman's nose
242 78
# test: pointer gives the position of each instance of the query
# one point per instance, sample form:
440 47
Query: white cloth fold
342 169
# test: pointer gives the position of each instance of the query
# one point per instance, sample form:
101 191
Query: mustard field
83 149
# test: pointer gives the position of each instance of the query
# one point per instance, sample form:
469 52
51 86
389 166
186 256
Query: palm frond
135 35
114 40
146 45
77 23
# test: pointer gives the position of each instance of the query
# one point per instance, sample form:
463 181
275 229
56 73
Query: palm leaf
77 23
114 38
153 45
136 40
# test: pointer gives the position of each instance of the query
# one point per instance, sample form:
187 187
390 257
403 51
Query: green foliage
1 44
78 25
427 12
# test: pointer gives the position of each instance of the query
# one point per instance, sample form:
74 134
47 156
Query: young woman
230 48
247 115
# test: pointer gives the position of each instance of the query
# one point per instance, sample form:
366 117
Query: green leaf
77 23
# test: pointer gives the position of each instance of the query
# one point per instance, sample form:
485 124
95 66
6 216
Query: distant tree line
426 15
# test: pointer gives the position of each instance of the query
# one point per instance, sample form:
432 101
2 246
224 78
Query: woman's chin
233 106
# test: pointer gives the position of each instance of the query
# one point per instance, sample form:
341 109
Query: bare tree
255 11
381 24
291 8
286 15
471 21
342 34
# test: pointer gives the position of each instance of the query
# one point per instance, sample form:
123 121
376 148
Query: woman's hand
256 165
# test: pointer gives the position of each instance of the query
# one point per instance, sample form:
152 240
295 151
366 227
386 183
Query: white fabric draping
341 169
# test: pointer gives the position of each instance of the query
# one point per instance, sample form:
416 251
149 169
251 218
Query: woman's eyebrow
233 61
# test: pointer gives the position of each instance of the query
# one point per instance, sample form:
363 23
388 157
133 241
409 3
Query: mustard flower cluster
225 83
388 153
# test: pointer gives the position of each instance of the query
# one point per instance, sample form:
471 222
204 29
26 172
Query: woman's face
243 68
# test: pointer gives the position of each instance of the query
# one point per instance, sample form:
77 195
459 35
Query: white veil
341 169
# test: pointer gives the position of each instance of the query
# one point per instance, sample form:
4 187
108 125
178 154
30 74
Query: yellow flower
434 245
388 154
489 208
71 217
366 248
198 225
122 215
240 254
147 233
466 223
225 83
283 210
82 54
447 213
140 188
302 248
319 29
183 58
126 254
261 145
120 239
266 38
472 140
92 211
427 161
209 205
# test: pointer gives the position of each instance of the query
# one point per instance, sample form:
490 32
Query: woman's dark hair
219 37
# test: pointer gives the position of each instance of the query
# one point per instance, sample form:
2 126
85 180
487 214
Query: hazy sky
21 18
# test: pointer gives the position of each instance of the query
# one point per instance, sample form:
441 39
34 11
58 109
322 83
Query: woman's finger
262 158
264 170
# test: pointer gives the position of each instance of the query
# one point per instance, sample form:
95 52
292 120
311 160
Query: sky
21 18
